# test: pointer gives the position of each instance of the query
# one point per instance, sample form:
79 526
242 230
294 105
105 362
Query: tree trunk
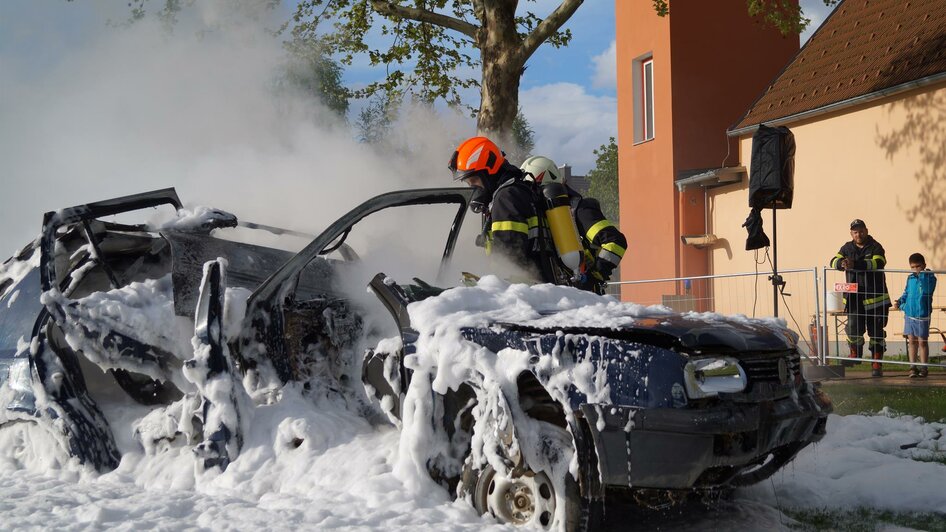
501 55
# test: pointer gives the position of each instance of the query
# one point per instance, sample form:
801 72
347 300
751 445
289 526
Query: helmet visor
461 174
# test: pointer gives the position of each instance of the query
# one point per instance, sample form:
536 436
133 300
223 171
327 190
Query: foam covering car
658 410
704 404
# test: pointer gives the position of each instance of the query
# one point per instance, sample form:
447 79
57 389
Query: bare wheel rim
528 499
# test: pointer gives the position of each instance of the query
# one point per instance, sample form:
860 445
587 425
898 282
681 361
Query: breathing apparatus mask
482 195
483 185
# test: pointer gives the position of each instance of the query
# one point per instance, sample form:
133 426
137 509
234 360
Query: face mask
479 202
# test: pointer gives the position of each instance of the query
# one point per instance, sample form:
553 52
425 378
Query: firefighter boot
856 352
876 368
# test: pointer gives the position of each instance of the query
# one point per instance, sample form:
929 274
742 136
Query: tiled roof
864 47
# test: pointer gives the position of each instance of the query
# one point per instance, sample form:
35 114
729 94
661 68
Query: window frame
642 74
647 100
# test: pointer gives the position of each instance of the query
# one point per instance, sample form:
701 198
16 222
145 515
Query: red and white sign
846 288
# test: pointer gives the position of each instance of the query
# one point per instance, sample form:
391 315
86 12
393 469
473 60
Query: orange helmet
474 155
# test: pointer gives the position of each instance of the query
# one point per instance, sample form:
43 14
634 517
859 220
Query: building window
648 79
643 81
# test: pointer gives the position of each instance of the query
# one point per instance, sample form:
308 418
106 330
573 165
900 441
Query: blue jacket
917 298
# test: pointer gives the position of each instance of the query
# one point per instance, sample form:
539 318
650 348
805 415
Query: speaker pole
776 278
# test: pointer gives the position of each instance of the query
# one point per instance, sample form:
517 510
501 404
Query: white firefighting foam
310 461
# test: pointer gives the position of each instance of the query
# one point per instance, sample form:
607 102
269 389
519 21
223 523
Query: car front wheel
527 499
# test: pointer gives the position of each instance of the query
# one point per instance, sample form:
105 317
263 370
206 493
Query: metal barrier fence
888 323
808 303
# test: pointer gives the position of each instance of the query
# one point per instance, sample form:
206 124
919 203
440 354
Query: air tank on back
562 226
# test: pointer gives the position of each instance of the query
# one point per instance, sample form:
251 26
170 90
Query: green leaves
420 57
786 15
604 179
523 137
376 119
311 70
661 7
528 22
431 48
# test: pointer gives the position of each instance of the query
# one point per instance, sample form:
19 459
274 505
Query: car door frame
264 320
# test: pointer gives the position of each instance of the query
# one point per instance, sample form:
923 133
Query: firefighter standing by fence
863 260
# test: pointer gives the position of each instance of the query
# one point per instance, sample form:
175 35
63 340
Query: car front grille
766 369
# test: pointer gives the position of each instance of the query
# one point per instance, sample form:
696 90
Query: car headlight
707 377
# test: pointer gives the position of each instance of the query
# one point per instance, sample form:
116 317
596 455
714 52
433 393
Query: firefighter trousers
872 321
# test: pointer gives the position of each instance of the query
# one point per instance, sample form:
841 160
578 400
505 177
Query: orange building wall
711 60
647 202
722 61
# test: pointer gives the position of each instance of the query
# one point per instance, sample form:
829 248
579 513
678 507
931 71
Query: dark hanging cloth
772 173
757 238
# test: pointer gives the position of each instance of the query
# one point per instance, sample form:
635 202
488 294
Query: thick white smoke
123 110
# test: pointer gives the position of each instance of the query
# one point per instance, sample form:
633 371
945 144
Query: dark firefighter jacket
867 272
601 239
512 226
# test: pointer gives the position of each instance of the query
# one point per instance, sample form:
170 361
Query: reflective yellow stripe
614 248
875 262
533 221
596 228
518 227
834 261
875 301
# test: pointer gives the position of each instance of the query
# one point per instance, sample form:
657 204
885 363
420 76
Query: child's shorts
916 327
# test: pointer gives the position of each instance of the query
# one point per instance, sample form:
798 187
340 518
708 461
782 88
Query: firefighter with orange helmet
604 244
507 202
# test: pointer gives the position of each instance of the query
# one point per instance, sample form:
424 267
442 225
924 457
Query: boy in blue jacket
917 305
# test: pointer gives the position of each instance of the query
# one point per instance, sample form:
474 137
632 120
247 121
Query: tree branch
547 27
390 9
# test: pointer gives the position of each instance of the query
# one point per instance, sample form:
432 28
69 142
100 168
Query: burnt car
680 405
95 301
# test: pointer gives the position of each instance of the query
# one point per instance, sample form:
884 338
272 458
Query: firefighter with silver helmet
602 242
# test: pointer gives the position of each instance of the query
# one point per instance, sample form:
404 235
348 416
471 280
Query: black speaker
772 175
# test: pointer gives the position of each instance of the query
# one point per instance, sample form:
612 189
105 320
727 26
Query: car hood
691 332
